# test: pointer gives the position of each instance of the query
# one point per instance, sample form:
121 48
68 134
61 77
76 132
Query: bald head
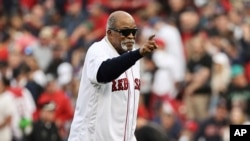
120 31
119 18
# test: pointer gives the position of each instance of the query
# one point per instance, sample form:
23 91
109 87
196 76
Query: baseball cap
49 106
65 73
46 32
221 58
237 70
167 108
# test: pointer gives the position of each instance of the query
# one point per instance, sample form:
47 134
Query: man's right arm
113 68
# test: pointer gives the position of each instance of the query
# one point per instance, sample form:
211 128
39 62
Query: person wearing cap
45 128
64 110
238 93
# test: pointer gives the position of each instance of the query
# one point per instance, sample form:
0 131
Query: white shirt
7 108
170 60
105 112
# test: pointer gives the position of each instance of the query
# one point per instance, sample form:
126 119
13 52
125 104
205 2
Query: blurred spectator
22 39
147 76
232 49
128 5
189 24
9 6
221 77
7 111
173 9
61 40
189 130
55 62
36 78
52 16
169 75
150 132
170 122
15 60
222 25
4 45
237 117
23 100
4 69
16 21
171 49
65 74
74 16
207 11
239 90
221 74
92 29
77 60
245 51
42 50
71 88
236 20
198 90
64 109
145 129
34 20
211 128
152 9
45 129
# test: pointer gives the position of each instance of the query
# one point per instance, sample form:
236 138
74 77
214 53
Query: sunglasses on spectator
125 32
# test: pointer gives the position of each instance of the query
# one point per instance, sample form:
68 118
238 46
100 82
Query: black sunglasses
125 32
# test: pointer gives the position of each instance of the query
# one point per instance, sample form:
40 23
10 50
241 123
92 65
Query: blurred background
192 88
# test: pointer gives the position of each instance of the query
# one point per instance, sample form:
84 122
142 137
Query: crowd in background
192 88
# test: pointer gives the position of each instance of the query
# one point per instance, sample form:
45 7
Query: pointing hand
149 46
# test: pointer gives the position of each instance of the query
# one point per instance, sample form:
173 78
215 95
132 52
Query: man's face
123 35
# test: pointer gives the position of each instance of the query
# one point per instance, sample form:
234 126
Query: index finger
151 37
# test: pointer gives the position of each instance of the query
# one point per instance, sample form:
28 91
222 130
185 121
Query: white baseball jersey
105 112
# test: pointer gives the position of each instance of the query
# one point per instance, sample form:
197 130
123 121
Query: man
8 117
45 128
107 103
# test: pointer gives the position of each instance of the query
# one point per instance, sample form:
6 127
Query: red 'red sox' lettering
122 84
137 84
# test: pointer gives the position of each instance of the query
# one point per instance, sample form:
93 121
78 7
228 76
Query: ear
108 32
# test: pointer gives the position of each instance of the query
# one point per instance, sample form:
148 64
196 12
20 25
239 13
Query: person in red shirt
64 109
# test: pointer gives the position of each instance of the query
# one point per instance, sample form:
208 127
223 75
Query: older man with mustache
108 97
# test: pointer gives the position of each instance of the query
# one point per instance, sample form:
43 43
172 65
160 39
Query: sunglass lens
133 31
127 32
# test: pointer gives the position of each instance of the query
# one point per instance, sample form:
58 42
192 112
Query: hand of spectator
149 46
246 33
188 91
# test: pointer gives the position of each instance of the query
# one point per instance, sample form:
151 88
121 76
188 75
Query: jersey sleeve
94 58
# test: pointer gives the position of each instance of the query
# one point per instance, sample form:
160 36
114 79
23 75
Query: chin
130 48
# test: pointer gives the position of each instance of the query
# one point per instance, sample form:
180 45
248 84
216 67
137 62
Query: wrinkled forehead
125 21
